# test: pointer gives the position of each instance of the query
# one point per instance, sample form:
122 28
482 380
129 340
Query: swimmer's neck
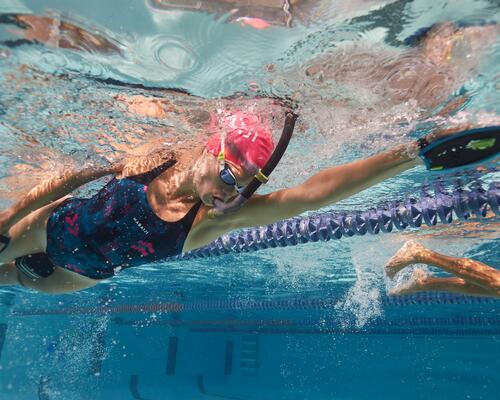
177 183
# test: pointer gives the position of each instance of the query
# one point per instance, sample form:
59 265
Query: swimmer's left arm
51 190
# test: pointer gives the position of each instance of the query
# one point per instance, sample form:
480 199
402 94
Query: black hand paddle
462 148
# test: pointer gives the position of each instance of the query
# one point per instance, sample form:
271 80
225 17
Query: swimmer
472 277
163 205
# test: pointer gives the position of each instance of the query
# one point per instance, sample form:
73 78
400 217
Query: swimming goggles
225 174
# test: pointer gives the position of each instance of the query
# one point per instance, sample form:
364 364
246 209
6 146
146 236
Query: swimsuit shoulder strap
188 219
147 177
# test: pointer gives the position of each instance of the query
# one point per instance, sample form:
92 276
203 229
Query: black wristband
422 142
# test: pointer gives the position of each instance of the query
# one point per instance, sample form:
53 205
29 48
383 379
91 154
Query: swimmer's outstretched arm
329 186
52 190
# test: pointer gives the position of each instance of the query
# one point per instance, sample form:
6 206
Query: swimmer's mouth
212 200
216 199
218 202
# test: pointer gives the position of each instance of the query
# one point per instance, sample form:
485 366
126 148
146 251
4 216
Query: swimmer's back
115 229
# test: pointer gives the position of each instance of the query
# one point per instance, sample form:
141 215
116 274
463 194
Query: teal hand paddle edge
463 148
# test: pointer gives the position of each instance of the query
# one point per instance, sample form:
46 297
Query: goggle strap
222 145
261 177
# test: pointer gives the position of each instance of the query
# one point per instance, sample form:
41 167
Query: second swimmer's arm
51 190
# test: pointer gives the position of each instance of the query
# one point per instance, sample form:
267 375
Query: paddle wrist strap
422 143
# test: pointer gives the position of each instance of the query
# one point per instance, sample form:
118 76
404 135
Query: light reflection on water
359 90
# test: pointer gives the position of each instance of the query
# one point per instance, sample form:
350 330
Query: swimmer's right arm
51 190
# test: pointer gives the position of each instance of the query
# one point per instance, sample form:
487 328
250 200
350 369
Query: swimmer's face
209 186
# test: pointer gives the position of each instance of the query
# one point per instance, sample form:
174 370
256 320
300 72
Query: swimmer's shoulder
141 164
206 229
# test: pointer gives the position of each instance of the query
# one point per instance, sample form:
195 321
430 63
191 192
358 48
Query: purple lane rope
442 207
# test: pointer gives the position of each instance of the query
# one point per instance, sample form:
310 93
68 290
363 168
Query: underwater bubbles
361 304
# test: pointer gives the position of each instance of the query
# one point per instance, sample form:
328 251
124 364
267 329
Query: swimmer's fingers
441 133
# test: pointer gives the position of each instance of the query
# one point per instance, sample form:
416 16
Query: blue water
312 321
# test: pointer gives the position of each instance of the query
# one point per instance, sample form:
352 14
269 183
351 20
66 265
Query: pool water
312 321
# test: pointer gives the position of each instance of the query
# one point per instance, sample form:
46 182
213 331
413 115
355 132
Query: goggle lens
227 177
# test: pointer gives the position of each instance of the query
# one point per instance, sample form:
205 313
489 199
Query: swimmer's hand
441 133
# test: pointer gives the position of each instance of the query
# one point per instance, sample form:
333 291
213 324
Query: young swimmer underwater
159 207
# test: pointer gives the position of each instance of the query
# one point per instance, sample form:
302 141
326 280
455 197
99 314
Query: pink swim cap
249 142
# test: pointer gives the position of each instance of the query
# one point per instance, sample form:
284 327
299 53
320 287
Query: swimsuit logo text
141 227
